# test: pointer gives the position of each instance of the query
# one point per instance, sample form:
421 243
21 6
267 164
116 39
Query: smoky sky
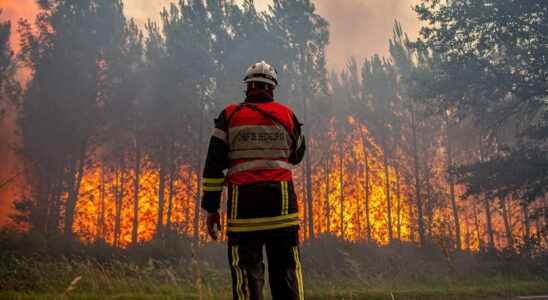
359 28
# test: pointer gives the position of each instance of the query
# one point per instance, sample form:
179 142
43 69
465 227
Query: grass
333 270
96 285
492 291
481 289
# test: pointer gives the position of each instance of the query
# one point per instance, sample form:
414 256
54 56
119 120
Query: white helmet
261 72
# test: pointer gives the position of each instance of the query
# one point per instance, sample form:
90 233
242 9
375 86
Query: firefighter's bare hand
212 220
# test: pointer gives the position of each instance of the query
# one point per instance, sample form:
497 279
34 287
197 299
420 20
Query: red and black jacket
257 142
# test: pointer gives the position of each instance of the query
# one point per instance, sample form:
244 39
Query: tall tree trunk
526 223
199 170
308 168
416 169
309 202
429 207
47 194
489 224
327 191
451 183
119 197
52 208
545 218
412 225
477 226
187 209
170 195
387 191
161 194
507 222
366 186
341 182
487 207
358 206
538 226
74 190
115 192
102 193
398 195
466 236
136 188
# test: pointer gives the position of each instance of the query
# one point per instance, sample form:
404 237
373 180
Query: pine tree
302 36
60 116
9 86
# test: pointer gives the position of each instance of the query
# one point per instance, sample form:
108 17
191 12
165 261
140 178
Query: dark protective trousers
245 255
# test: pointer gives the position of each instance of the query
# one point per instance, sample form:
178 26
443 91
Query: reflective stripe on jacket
256 143
259 141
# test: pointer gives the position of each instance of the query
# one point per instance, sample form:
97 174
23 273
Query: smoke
9 166
13 11
361 28
142 10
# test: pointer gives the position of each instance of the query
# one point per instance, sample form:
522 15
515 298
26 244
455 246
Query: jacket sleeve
298 148
216 163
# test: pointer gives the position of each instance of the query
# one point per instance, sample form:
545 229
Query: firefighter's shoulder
287 111
229 109
282 106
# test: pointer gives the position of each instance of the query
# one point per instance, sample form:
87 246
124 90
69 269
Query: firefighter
257 142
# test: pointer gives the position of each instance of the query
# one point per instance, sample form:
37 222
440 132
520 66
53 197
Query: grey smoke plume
359 28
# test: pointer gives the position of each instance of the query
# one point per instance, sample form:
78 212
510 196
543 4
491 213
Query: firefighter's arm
298 148
216 163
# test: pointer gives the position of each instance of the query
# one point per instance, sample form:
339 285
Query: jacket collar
258 99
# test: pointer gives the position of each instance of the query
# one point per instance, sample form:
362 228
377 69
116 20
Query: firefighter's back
252 151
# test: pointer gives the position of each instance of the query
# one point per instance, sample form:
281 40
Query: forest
423 166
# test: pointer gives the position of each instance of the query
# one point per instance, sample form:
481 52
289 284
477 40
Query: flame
340 211
96 212
338 189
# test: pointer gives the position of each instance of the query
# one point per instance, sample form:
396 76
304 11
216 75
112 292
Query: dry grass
33 278
334 269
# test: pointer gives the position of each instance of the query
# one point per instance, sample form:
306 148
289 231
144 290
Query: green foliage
9 86
491 67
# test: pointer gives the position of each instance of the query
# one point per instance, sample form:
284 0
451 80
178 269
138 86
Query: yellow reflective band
232 204
263 227
234 212
298 272
214 180
285 197
239 277
263 220
212 188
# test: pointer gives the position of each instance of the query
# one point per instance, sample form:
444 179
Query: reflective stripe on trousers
284 265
